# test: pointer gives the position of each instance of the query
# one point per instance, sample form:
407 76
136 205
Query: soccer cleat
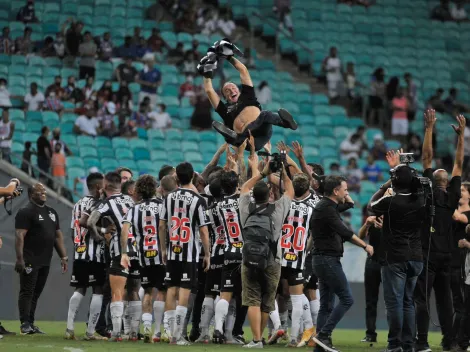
94 337
133 337
104 333
165 337
291 344
239 338
115 338
306 337
26 329
182 342
233 341
156 337
422 347
37 330
173 341
203 339
4 331
287 119
194 334
253 344
69 335
218 337
284 339
311 343
147 334
125 337
276 335
1 337
369 339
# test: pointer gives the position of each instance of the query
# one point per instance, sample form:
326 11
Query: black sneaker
218 337
422 347
194 334
369 339
4 331
325 343
397 349
26 329
287 119
224 130
37 330
240 338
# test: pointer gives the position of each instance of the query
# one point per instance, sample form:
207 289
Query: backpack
258 238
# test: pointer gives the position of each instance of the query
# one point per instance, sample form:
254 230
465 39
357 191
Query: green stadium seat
88 151
91 162
75 172
137 143
105 152
187 146
109 164
141 153
124 153
103 142
158 155
119 142
67 127
83 141
34 116
69 139
145 165
16 114
20 126
173 135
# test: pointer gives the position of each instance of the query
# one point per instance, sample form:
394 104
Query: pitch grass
345 340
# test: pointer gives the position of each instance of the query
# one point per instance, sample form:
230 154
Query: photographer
437 239
402 212
262 220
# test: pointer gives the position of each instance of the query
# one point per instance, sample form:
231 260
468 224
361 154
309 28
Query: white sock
206 315
74 304
192 298
274 317
296 315
170 316
180 315
141 293
230 319
314 308
117 310
284 319
270 326
158 311
221 310
135 313
95 310
126 318
306 314
147 320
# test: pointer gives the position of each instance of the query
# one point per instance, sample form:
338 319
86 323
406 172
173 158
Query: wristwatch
65 258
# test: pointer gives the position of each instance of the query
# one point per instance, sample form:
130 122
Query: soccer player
183 212
115 206
89 268
142 222
231 285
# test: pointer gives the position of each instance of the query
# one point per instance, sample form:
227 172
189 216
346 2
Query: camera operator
329 233
437 239
263 220
403 212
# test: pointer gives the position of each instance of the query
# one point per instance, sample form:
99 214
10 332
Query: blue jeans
399 281
332 281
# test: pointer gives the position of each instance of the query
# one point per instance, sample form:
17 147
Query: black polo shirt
41 224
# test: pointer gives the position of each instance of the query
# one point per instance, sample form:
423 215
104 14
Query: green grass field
345 340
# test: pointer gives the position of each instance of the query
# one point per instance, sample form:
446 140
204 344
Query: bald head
168 184
441 178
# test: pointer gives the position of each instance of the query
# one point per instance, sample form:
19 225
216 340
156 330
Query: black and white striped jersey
229 216
185 212
216 232
295 232
84 247
313 199
116 208
144 218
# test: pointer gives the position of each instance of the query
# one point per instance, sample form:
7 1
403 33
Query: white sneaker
253 344
233 341
1 337
182 342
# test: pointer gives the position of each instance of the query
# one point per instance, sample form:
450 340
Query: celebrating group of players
137 242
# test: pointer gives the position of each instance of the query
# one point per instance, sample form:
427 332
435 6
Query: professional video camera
419 184
18 192
277 160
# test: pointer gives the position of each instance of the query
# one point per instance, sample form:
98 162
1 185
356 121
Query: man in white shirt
160 118
34 99
458 12
351 147
226 25
87 125
334 73
5 101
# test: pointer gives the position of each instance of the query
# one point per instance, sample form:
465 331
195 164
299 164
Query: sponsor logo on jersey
177 249
237 244
81 249
185 277
151 253
291 257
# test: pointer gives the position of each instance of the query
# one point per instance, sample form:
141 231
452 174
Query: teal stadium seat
124 153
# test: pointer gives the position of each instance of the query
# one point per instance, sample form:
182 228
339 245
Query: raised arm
288 186
244 74
299 153
91 224
459 153
211 93
213 163
430 120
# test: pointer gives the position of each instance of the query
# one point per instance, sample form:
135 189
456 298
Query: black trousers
240 317
457 288
32 282
438 278
85 72
464 327
372 280
104 322
200 295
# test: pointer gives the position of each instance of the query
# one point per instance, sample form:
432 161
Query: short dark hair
27 145
94 178
317 168
44 129
165 170
114 178
126 186
184 172
215 173
261 192
168 183
87 32
331 183
301 184
215 188
403 177
146 186
229 182
123 168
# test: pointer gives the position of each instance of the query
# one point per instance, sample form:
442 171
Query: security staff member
37 233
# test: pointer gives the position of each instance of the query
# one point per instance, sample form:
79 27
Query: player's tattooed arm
213 163
91 224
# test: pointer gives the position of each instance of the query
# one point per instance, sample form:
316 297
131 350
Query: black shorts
294 277
116 269
214 277
180 274
153 276
231 278
86 274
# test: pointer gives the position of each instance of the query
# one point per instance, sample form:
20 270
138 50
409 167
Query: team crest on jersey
237 244
177 249
81 249
28 270
290 257
52 216
151 253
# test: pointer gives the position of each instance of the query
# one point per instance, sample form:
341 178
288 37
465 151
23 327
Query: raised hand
430 118
298 150
460 129
253 161
393 157
282 147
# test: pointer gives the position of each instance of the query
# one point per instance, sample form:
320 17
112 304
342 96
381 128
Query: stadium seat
137 143
88 151
141 153
104 152
91 162
103 142
119 142
124 153
83 141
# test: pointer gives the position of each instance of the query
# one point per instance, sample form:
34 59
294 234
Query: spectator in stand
122 92
56 139
207 21
354 175
155 42
106 120
248 60
187 22
283 9
415 146
411 95
87 51
127 49
27 14
334 169
379 149
5 101
59 45
176 55
264 94
194 50
24 44
371 172
149 80
71 92
159 118
442 11
73 37
57 85
87 124
7 129
458 12
189 66
187 89
137 36
126 72
34 99
334 74
106 47
48 50
26 163
44 151
377 95
142 49
400 115
392 88
226 25
202 114
88 90
53 102
452 106
58 167
6 44
351 147
435 102
139 119
106 91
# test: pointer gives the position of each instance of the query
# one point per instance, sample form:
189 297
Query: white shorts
399 127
